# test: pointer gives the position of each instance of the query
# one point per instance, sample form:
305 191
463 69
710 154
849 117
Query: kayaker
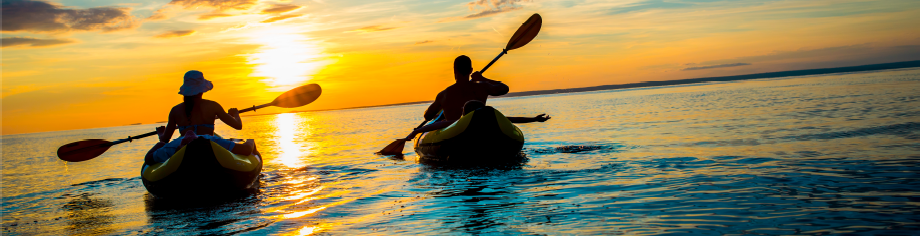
194 118
452 99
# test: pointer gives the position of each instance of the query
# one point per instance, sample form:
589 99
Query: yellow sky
63 69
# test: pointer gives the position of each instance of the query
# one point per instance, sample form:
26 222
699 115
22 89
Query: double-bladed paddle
91 148
521 37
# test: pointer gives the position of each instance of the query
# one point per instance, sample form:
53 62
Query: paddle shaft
504 51
253 108
130 138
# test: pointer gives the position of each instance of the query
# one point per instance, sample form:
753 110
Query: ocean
807 155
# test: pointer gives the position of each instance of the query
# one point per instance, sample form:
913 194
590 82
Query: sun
286 58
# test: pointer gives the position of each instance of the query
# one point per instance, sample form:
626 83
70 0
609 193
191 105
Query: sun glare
286 58
290 126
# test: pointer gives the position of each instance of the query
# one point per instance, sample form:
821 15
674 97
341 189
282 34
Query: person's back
202 113
451 100
458 94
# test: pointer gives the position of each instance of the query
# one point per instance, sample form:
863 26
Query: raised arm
434 108
232 119
496 88
170 126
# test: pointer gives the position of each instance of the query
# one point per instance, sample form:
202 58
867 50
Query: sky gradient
86 64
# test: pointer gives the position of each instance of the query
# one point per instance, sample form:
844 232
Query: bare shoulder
176 110
211 105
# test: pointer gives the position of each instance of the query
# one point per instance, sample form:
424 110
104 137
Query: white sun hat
195 83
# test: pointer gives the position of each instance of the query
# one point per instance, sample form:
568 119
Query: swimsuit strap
195 127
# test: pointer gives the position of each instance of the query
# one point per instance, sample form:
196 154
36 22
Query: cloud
219 5
373 28
423 42
492 3
39 16
176 33
648 5
487 8
212 16
33 42
490 12
278 18
716 66
281 8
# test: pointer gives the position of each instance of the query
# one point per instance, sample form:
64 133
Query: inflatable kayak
481 137
202 168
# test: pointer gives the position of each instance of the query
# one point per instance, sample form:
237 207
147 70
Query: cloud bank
41 17
33 42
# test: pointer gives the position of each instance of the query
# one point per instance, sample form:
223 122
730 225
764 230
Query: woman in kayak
195 118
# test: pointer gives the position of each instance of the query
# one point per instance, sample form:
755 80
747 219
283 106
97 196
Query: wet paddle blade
395 148
299 96
83 150
526 33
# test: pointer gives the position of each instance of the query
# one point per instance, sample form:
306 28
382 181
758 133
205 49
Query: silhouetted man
453 98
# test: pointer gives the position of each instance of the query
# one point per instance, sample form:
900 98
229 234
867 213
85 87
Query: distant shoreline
873 67
862 68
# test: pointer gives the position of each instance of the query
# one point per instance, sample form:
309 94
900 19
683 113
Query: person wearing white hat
194 118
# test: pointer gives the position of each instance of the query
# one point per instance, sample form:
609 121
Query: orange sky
63 69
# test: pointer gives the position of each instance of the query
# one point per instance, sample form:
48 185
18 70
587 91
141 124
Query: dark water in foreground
810 155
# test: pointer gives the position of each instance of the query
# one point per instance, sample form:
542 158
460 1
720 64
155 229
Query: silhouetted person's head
472 105
463 67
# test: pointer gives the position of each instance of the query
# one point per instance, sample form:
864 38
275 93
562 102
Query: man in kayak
194 118
454 98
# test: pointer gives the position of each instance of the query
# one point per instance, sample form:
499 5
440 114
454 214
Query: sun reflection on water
287 58
290 126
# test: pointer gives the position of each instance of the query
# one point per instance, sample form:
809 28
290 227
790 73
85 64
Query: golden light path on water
287 58
290 130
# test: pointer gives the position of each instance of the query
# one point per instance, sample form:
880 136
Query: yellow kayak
202 168
481 137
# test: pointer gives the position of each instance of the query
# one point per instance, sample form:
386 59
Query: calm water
809 155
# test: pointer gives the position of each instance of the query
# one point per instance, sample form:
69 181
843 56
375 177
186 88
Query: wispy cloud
423 42
39 16
212 16
487 8
283 17
373 28
33 42
716 66
648 5
281 8
490 12
176 33
219 5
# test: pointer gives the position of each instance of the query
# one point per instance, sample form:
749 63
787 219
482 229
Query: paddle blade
526 33
83 150
299 96
395 148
